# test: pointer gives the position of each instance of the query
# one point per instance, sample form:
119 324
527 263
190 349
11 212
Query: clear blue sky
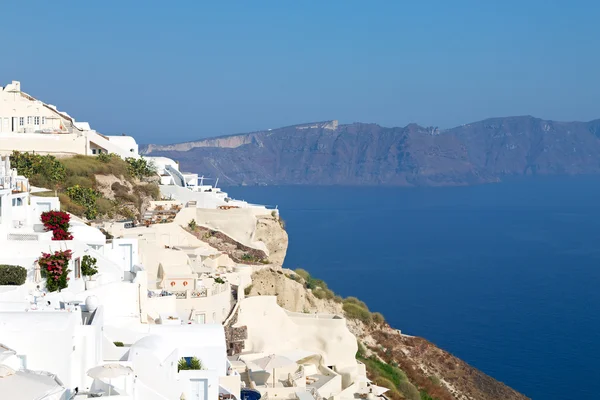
179 70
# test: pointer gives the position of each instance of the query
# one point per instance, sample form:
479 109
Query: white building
28 124
189 188
64 334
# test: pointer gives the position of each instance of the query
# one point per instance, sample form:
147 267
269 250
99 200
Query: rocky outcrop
368 154
270 231
291 294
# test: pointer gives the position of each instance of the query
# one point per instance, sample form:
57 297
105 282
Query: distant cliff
326 153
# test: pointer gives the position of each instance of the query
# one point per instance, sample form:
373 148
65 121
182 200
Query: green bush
435 380
362 350
83 181
302 273
426 396
88 265
119 344
139 167
149 189
41 170
66 204
106 158
85 197
193 364
378 318
355 312
354 300
409 391
89 166
13 275
377 367
386 383
105 207
192 225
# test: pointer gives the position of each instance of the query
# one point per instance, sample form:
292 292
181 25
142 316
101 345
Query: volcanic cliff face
326 153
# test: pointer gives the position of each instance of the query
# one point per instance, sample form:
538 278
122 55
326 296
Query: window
21 121
36 120
17 202
28 120
77 268
43 120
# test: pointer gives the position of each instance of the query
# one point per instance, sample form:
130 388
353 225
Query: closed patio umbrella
37 277
109 371
161 276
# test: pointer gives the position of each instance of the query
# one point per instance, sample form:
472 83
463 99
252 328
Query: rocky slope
367 154
431 369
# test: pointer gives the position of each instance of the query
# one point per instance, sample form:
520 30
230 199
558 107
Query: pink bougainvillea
58 223
54 267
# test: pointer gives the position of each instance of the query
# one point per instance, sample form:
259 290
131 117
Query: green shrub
191 364
149 189
88 265
321 293
355 301
66 204
106 158
119 189
302 273
139 167
426 396
42 170
105 207
377 368
85 197
13 275
386 383
378 318
355 312
409 390
89 166
192 225
435 380
119 344
362 350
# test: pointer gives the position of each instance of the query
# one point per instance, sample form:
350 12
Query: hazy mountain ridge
326 153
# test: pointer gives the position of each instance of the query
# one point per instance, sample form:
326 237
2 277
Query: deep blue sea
505 276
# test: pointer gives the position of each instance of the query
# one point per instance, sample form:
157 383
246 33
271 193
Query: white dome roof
87 234
153 344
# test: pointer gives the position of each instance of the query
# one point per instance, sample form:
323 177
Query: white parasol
272 362
109 371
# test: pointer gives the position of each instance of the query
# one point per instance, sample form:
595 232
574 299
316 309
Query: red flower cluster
58 223
55 268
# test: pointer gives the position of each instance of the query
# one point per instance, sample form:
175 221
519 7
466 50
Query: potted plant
89 271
